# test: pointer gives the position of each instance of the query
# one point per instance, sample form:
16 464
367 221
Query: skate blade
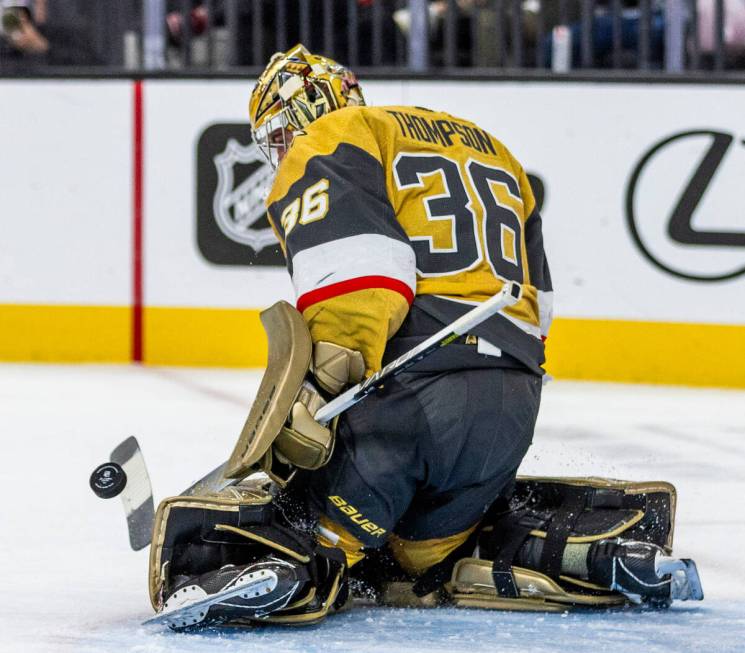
190 605
686 583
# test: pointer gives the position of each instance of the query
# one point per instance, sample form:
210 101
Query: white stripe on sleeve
352 257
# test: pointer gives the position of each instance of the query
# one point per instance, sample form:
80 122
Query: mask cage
271 137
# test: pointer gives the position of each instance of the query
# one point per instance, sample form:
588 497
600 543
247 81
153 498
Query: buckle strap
506 539
562 524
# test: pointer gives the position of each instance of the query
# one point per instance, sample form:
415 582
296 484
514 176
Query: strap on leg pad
196 534
543 516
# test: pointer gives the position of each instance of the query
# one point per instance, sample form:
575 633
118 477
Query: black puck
108 480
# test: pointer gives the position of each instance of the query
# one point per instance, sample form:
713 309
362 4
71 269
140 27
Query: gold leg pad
472 585
487 602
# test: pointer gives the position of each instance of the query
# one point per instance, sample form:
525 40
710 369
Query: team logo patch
233 179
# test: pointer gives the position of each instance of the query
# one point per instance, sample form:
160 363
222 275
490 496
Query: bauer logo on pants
232 180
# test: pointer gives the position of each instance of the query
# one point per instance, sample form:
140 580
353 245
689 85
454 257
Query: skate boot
233 592
643 572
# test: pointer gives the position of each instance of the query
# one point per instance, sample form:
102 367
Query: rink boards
132 222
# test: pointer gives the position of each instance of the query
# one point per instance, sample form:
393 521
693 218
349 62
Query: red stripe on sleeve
351 285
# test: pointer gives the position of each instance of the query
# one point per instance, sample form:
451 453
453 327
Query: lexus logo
685 205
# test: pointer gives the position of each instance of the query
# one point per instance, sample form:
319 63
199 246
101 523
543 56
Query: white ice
70 583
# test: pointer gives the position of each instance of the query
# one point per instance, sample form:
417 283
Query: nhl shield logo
238 208
233 179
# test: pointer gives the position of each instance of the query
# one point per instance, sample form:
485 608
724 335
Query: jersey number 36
312 206
502 229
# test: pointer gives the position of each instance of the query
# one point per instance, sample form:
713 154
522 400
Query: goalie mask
295 89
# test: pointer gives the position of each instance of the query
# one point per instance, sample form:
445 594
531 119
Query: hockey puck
108 480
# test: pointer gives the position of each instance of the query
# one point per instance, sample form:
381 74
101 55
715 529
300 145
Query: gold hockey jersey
379 209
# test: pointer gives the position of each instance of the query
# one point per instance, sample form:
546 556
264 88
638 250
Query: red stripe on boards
137 214
351 285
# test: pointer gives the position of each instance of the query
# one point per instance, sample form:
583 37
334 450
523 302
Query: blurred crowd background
409 35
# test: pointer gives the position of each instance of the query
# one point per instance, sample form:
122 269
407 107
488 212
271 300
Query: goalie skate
643 573
232 592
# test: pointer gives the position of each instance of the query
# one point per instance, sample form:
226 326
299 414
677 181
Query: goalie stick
215 480
125 475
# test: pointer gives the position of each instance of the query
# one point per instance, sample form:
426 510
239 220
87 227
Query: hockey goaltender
395 222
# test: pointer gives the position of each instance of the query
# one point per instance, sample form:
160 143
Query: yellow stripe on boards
647 352
204 336
65 333
600 350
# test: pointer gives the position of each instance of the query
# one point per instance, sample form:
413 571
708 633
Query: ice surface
70 583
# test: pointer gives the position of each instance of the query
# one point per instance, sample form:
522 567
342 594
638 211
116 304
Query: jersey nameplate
442 131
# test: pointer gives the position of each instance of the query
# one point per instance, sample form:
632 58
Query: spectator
188 32
630 35
23 43
734 30
60 32
463 13
76 31
602 33
480 24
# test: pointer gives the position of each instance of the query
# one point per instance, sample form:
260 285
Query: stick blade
137 496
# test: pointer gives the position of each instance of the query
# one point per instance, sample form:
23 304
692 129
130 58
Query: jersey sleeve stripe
351 285
363 255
